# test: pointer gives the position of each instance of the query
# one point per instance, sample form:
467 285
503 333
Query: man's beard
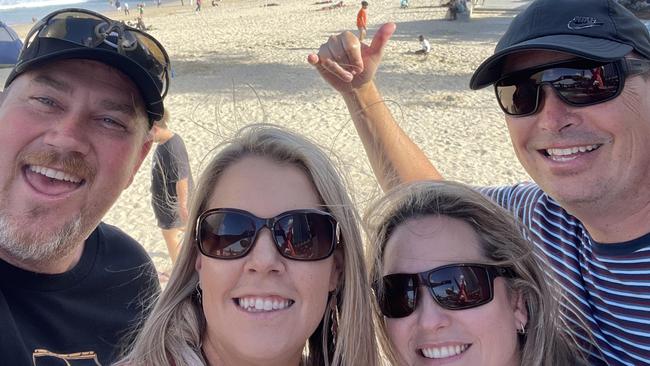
21 239
24 244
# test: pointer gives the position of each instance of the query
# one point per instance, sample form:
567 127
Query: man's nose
69 133
554 114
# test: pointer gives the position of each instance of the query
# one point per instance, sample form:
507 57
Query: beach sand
243 62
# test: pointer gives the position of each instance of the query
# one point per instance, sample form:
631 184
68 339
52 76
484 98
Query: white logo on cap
579 22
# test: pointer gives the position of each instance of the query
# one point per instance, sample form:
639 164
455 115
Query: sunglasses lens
226 235
305 236
82 31
577 82
398 296
585 86
157 63
519 98
460 287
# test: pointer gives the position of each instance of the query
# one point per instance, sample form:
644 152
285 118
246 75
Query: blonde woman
272 270
456 283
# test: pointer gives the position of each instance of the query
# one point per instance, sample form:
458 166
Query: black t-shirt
81 315
170 164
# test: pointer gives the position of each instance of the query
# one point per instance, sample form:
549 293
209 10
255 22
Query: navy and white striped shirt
608 285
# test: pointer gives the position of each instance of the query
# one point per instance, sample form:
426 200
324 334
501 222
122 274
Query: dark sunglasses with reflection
456 286
303 235
578 83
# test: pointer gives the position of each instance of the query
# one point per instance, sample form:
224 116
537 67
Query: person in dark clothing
171 182
75 126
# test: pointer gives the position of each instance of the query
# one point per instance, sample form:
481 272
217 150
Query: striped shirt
607 285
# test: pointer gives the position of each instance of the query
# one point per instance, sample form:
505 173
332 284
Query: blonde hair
172 333
502 243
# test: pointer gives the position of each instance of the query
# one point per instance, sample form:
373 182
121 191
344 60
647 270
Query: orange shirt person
362 20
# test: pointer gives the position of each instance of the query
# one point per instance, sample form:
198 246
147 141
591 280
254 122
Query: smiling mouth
569 153
56 176
52 182
256 304
444 352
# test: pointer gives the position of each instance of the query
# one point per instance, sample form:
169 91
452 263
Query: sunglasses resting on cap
457 286
83 34
303 235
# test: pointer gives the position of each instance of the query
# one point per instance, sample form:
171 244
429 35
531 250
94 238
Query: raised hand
347 64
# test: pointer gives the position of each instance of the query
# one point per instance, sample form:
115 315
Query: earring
522 329
198 292
334 316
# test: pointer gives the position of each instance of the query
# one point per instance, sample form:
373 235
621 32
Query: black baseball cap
599 30
83 34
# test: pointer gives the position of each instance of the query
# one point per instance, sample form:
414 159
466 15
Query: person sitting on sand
426 47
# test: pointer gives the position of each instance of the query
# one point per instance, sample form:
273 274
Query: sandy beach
243 62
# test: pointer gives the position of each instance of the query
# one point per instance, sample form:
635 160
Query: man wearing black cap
75 119
572 77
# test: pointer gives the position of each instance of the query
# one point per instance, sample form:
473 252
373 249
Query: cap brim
146 86
596 49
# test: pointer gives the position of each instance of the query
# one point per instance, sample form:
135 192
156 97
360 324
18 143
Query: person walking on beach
198 6
585 148
362 20
74 129
126 8
171 183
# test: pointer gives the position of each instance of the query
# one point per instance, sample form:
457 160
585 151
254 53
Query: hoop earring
522 329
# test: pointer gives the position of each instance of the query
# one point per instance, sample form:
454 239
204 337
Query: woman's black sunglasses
304 235
454 287
577 82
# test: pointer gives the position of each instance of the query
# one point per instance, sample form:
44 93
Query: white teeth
54 174
444 352
259 304
570 151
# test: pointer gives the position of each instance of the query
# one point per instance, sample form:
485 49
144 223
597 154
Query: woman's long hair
172 333
502 243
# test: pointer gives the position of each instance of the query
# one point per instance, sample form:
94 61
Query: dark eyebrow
53 83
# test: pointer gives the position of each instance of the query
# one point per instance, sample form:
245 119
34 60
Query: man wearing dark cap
572 77
75 120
